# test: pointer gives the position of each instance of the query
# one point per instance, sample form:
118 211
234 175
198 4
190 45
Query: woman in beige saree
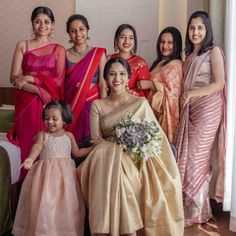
124 198
202 120
165 81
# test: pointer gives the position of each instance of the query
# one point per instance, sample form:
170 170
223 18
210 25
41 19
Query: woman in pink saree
126 42
38 71
202 119
84 76
165 81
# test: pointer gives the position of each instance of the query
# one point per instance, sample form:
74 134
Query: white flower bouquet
138 136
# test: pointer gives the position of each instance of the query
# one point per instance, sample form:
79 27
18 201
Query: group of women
158 196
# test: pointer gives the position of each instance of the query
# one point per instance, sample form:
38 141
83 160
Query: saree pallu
200 121
123 197
79 92
28 114
139 71
165 104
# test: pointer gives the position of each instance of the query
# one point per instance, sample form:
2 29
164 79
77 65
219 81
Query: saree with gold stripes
202 121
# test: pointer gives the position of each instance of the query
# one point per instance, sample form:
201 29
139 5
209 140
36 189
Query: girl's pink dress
50 201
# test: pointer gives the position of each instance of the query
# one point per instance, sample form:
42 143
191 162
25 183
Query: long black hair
177 47
207 43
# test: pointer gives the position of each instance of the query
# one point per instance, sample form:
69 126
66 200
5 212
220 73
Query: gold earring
50 34
32 33
116 48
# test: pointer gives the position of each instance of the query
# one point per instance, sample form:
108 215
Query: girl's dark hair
120 60
76 17
64 107
177 47
119 31
45 10
207 43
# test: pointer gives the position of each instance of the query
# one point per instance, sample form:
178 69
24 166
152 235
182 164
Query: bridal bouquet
138 136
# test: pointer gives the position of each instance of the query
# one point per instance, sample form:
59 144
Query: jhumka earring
32 33
50 35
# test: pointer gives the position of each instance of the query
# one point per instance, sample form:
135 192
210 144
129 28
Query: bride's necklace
76 53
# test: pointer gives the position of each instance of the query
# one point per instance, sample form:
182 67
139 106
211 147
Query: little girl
50 201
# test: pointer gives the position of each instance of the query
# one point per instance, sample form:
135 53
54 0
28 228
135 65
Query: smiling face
166 45
197 32
125 41
78 32
53 119
42 25
117 78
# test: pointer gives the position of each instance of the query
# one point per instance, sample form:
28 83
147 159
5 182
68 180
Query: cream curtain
223 15
230 47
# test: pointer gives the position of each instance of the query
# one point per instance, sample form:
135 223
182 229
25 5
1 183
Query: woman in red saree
125 41
165 81
38 71
202 119
84 76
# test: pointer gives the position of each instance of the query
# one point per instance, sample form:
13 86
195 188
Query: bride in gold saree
124 198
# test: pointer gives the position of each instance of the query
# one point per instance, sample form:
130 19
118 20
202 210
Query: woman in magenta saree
84 77
38 72
202 120
80 91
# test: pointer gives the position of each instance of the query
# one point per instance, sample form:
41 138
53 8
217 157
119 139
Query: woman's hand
144 84
96 140
27 164
185 98
159 86
20 82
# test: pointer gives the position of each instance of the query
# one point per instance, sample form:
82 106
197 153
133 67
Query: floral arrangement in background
138 136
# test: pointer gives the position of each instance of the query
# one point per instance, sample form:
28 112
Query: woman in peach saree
165 81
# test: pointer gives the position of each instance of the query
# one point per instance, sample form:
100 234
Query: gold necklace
76 53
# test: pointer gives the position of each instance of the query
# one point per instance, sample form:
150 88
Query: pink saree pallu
200 121
80 91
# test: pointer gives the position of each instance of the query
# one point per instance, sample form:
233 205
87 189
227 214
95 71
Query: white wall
104 16
16 25
149 17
